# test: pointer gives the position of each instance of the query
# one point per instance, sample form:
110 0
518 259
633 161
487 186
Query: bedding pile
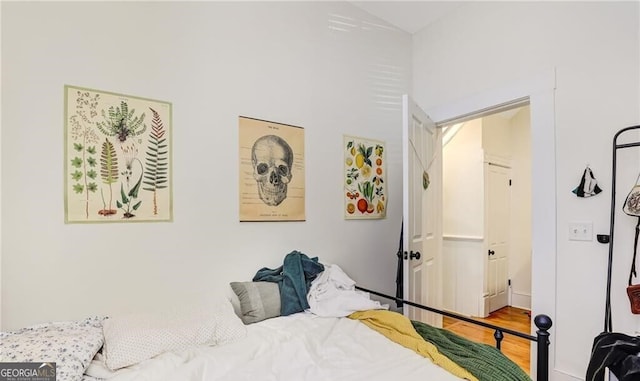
308 285
334 294
294 278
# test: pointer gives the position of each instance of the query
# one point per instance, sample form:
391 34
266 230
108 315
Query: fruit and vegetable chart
364 178
117 157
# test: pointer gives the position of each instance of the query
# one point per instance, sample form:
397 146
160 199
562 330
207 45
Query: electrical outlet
581 231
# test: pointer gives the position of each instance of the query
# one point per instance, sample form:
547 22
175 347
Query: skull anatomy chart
272 157
271 171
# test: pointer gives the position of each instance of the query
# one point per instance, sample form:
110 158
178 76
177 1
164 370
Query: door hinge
509 182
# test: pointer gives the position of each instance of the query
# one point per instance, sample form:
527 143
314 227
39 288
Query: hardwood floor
515 348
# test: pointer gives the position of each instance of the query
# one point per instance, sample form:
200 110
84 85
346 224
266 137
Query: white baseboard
521 300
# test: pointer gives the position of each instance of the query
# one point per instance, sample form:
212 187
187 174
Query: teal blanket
294 279
485 362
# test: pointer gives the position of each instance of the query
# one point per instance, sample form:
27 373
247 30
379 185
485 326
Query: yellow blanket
399 329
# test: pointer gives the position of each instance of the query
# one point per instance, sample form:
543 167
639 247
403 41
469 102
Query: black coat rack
608 327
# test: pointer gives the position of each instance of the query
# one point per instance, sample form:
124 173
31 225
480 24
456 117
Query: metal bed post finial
498 335
543 322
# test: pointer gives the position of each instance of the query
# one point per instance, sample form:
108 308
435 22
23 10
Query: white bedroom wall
595 50
328 67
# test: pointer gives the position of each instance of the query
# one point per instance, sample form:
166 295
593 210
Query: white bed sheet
292 348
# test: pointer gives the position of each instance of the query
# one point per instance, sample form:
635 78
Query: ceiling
410 16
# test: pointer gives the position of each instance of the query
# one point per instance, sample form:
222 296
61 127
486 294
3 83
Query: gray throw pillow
258 300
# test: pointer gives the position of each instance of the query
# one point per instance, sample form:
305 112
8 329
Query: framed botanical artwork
272 184
117 155
365 190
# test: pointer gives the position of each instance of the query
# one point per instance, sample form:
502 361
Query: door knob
415 255
491 252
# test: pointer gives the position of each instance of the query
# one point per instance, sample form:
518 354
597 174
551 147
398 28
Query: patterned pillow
71 345
258 300
134 338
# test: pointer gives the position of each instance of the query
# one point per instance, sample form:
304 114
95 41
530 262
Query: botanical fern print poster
117 157
365 190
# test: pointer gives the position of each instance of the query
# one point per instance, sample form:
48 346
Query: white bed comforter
292 348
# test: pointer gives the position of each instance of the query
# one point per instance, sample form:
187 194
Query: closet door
497 215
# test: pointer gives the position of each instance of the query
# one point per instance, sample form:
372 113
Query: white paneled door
422 216
498 201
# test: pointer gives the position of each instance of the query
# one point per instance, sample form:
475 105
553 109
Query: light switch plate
581 231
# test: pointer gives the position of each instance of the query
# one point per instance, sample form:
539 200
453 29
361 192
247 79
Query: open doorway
487 225
537 91
486 213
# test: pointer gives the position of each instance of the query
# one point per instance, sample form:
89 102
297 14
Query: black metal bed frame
543 322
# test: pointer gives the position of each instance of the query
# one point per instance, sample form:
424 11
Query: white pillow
133 338
70 344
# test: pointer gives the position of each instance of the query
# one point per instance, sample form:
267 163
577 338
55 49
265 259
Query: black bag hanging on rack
633 290
632 207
